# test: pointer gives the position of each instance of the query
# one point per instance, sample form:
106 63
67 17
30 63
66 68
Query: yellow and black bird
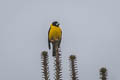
54 33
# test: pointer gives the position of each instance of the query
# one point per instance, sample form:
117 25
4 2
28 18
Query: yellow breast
55 33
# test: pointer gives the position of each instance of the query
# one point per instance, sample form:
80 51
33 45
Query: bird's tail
54 50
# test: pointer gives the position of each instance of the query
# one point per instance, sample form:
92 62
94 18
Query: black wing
48 39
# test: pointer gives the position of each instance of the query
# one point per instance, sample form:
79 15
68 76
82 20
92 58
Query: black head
55 23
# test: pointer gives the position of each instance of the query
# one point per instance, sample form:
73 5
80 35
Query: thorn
59 49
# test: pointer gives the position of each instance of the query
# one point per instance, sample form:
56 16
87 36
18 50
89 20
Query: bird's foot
52 41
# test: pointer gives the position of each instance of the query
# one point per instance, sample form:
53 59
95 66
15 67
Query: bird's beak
58 24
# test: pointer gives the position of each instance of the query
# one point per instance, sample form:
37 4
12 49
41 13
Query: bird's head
55 23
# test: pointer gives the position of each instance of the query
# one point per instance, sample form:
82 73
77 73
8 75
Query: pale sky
91 31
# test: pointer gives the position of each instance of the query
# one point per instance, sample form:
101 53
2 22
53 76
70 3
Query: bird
54 34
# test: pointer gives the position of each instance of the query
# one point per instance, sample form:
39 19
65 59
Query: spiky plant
45 68
103 73
73 67
57 64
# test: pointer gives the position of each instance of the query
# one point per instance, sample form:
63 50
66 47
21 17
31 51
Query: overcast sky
91 30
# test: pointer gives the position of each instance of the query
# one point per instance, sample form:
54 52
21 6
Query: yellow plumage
55 33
